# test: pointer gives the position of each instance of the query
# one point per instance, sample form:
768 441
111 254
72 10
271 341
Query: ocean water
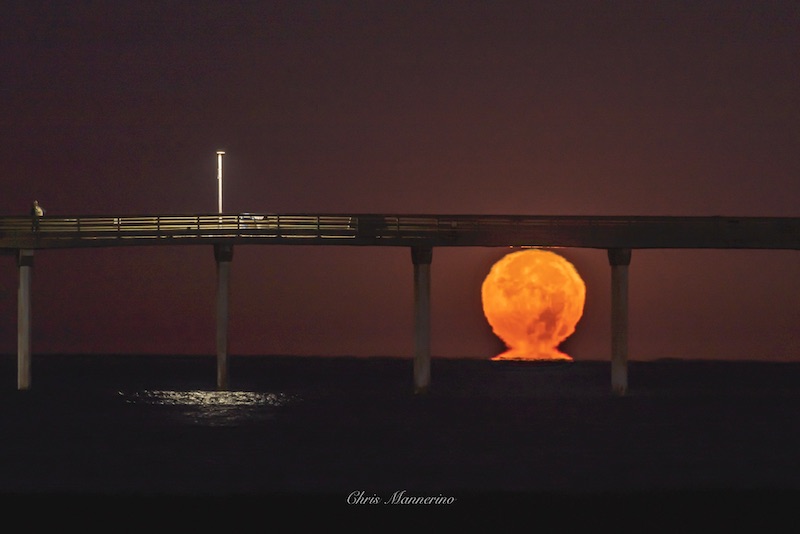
350 431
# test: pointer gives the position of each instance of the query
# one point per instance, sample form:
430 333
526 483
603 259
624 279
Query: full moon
533 300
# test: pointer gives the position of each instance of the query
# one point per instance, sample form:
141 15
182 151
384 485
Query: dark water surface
323 428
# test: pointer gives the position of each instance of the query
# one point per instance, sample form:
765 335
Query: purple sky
563 107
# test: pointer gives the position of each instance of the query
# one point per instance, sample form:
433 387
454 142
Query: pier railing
375 229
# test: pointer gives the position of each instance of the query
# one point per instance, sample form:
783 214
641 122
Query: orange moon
533 300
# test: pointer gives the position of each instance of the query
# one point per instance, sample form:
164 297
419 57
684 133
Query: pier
619 235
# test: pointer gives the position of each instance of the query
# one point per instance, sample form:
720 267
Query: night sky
412 107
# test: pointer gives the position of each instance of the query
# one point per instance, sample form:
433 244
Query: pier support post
620 259
223 254
421 257
25 264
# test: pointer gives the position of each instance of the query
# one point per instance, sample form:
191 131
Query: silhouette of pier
619 235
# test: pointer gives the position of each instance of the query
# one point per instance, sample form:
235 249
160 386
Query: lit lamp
220 153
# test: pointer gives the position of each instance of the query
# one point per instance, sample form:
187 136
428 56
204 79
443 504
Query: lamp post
220 153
